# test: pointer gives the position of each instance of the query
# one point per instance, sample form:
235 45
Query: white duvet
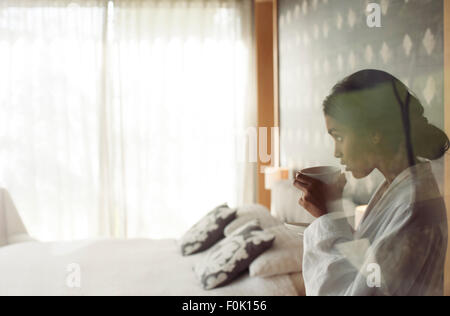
118 267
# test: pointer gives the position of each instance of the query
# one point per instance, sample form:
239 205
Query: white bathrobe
398 249
12 229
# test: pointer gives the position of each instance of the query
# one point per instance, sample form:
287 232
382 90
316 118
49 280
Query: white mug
326 174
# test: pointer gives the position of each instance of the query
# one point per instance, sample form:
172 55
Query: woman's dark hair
374 100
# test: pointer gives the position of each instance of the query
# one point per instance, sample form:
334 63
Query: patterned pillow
285 256
233 255
247 214
207 231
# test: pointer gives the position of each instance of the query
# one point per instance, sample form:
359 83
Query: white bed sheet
120 267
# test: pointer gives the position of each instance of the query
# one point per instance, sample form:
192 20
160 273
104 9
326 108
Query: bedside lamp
273 175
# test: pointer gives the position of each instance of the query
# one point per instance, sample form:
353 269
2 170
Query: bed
120 267
114 267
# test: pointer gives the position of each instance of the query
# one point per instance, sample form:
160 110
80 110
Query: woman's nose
337 153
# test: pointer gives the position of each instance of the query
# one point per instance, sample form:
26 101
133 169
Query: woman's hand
317 195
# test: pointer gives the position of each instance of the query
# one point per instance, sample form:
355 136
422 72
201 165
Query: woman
399 247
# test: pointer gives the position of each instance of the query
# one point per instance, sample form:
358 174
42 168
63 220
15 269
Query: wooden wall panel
267 81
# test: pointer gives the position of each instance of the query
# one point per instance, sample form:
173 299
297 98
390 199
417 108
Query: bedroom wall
322 41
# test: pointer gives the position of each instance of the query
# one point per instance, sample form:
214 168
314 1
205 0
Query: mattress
120 267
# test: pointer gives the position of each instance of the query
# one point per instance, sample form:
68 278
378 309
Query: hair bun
428 141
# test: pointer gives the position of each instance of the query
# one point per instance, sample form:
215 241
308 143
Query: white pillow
249 213
285 256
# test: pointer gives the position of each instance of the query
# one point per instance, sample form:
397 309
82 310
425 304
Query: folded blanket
12 229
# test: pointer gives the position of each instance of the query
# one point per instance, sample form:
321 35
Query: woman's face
355 150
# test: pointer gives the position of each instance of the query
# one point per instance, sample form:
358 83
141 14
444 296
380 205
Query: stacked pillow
251 212
285 257
254 240
286 254
207 231
233 255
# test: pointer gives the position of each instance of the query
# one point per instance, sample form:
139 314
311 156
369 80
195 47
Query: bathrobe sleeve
335 263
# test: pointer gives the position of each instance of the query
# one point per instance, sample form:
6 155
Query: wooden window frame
266 39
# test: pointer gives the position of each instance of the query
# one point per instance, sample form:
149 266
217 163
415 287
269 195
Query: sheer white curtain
50 62
120 118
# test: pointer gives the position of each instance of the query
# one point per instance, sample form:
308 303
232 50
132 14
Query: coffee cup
326 174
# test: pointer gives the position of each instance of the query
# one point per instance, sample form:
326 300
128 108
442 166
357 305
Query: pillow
233 255
251 212
284 257
207 231
247 208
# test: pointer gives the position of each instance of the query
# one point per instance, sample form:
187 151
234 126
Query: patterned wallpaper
322 41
